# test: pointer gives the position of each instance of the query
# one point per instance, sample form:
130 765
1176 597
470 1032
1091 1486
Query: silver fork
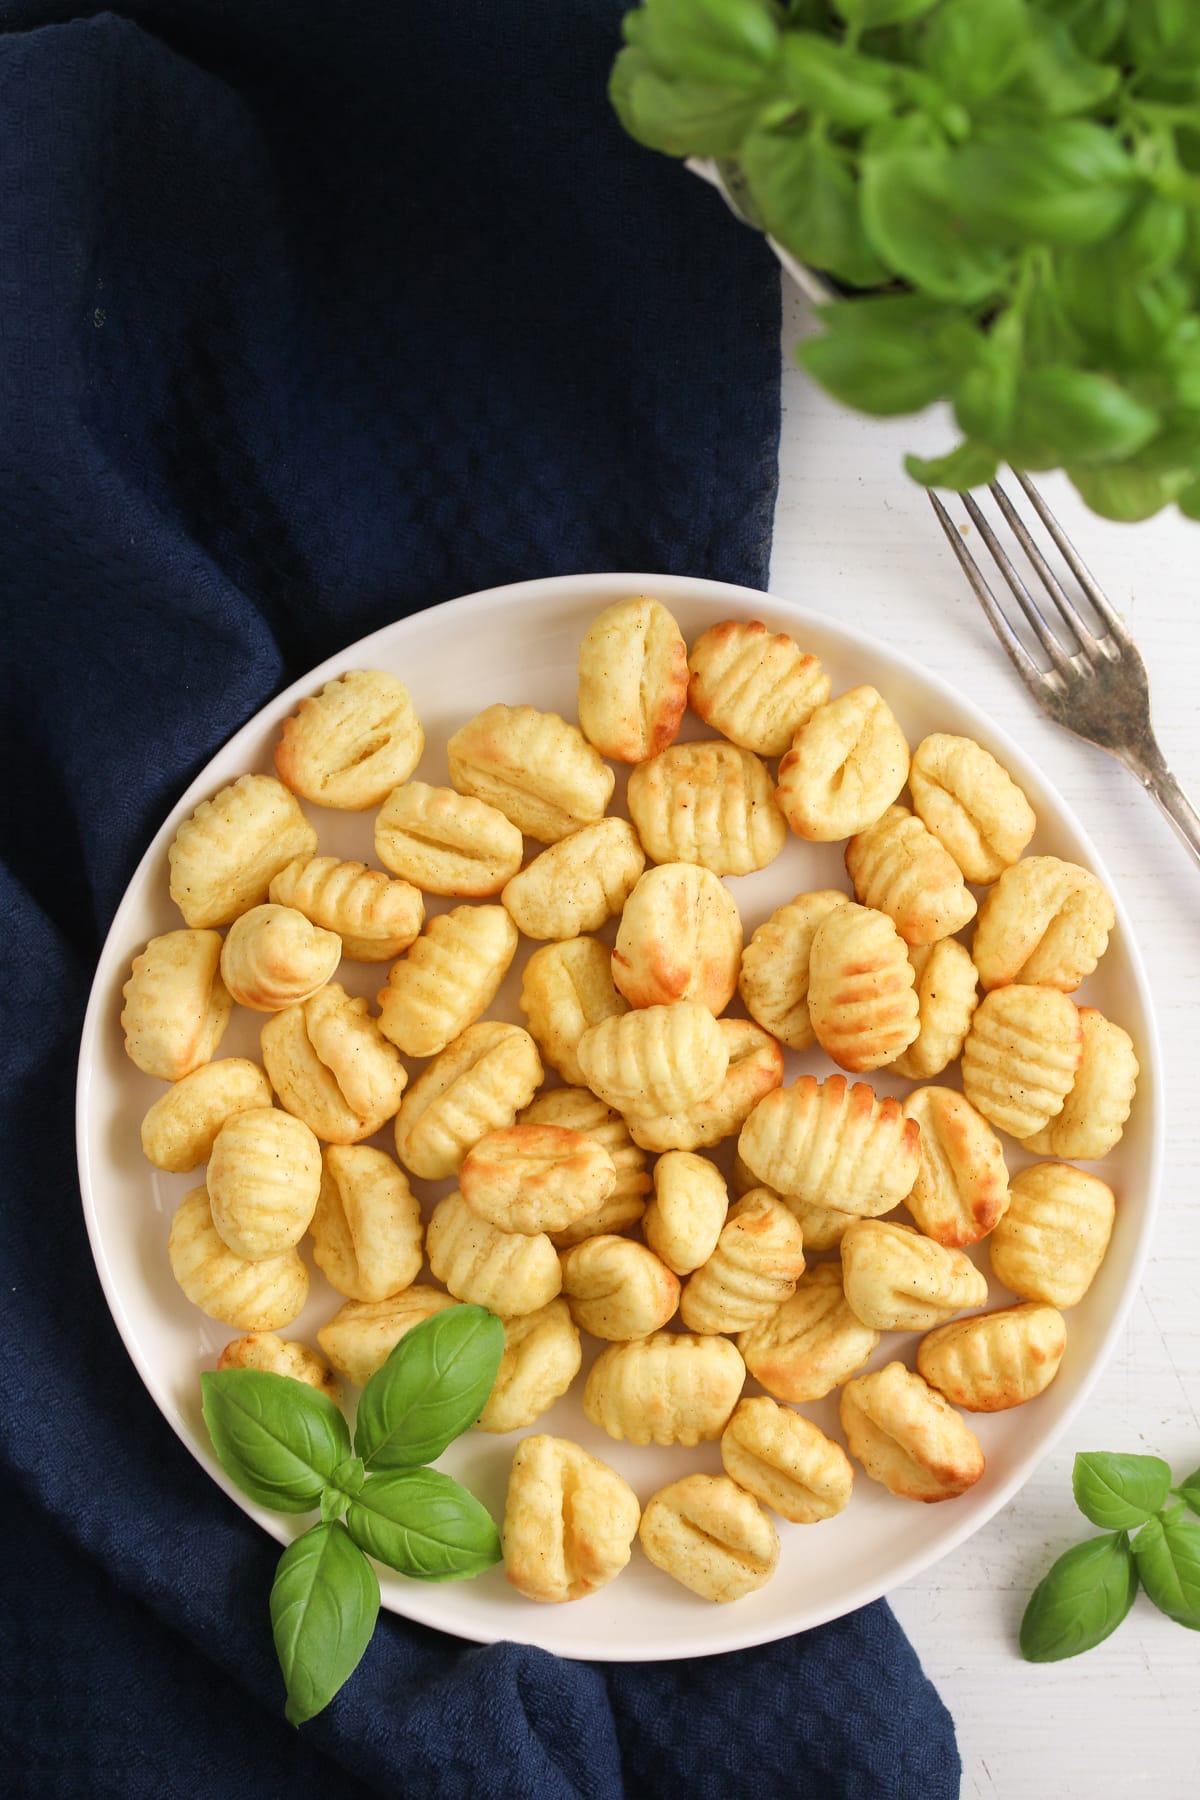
1095 686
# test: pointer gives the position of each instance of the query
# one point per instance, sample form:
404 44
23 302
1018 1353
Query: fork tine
1020 658
1113 621
1084 634
1020 593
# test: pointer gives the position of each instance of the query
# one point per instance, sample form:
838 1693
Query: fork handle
1152 771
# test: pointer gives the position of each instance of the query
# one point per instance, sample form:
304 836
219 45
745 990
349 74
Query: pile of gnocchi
663 1192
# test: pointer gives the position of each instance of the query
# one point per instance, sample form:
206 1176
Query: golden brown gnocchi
176 1004
478 1084
786 1462
1045 923
774 977
352 743
362 1334
541 1359
180 1128
264 1177
331 1066
832 1145
367 1231
971 804
578 883
861 1002
899 868
655 1059
680 938
577 1109
709 803
669 1388
531 1178
447 979
618 1289
812 1343
569 1521
710 1535
375 917
250 1296
1054 1236
274 957
509 1272
1093 1116
1021 1057
447 843
908 1437
225 857
633 680
757 1262
755 1068
683 1221
946 980
566 988
282 1356
539 771
845 767
961 1189
896 1280
756 687
995 1360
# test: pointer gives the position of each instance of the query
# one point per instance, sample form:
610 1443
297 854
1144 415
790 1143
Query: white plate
517 644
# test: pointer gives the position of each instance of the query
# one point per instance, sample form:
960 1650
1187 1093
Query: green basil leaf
904 131
684 119
826 77
1055 74
1164 34
867 14
986 394
1072 415
922 232
346 1481
1168 1562
884 356
1095 25
1189 505
1118 1492
1126 494
968 466
976 47
432 1387
1189 1488
324 1605
1081 1601
720 43
279 1439
1070 183
425 1525
808 199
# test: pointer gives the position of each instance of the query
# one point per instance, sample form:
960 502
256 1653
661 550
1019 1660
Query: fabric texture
312 316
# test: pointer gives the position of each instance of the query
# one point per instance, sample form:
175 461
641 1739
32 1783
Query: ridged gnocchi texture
264 1176
566 988
362 1334
250 1296
946 983
683 1221
995 1360
961 1189
539 771
176 1004
367 1231
755 1068
374 916
757 1262
505 1271
618 1289
774 976
710 1535
447 843
860 995
541 1359
812 1343
331 1066
655 1059
899 868
447 979
274 957
908 1437
578 883
845 767
829 1144
786 1462
225 857
352 743
680 938
633 680
180 1128
478 1084
569 1521
709 803
669 1388
1045 924
1052 1240
896 1280
531 1178
578 1109
1094 1112
1021 1057
756 687
971 804
282 1356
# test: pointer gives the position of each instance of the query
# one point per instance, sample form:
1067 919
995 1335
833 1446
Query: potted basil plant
1002 196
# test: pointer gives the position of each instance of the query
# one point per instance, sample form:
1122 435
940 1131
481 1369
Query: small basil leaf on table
424 1525
1081 1601
277 1438
324 1605
432 1387
1168 1561
1119 1492
808 199
920 229
968 466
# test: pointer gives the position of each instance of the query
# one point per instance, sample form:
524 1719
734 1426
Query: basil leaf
1118 1492
921 231
1081 1601
826 77
1070 183
976 47
1126 494
1065 415
1056 76
808 199
1164 34
1095 25
1168 1561
425 1525
1189 1489
1189 506
720 43
279 1439
324 1605
885 358
684 119
433 1385
969 466
986 394
867 14
1123 295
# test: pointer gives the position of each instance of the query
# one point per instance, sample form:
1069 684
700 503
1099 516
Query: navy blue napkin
312 315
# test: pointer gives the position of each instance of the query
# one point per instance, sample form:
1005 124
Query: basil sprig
289 1448
1027 170
1089 1590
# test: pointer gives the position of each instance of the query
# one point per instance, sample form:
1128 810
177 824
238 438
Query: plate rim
423 1609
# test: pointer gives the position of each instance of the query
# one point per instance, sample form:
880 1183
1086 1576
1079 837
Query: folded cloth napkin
311 316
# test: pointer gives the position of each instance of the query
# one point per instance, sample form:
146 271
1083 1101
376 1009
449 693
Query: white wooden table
855 536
